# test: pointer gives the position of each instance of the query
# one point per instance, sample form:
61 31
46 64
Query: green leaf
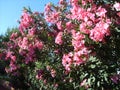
118 30
89 81
98 83
93 66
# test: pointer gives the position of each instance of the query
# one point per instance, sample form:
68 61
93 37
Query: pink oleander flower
69 26
24 43
55 85
13 66
78 44
13 36
48 68
56 51
101 30
78 36
58 39
22 52
80 56
59 25
8 55
40 74
26 21
39 45
53 73
77 60
7 70
101 12
83 52
90 16
115 78
48 7
67 61
118 14
32 31
45 82
61 1
13 58
96 35
31 51
78 40
30 56
74 2
28 59
79 13
52 17
117 6
84 84
84 29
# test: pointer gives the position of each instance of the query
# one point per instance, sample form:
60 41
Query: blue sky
11 10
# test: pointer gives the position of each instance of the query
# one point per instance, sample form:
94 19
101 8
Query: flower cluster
26 21
117 6
24 44
91 21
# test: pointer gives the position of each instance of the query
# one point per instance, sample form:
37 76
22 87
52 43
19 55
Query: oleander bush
70 46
